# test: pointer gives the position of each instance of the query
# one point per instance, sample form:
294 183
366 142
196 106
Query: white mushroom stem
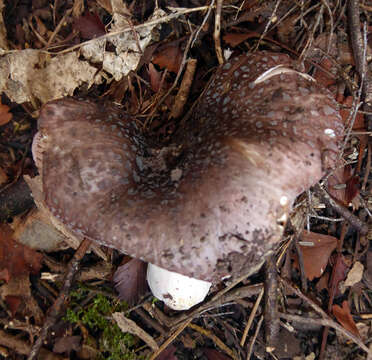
177 291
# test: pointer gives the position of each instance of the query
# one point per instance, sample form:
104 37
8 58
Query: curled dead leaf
343 316
169 57
316 250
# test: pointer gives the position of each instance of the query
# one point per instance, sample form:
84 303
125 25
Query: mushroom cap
261 134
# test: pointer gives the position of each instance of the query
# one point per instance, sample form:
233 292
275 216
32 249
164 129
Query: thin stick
41 39
180 70
301 264
210 7
333 287
316 307
250 349
58 27
217 31
270 21
368 167
209 334
217 301
359 46
251 317
326 322
177 13
341 210
170 339
183 92
331 25
272 323
55 310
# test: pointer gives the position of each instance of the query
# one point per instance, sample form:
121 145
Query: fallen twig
359 51
217 31
251 317
55 310
296 291
184 89
218 300
22 347
170 339
326 322
180 70
301 264
271 305
209 334
253 340
333 287
341 210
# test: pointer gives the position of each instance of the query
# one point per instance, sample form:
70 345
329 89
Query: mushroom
178 291
215 202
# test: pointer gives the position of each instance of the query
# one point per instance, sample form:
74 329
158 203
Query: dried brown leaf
155 78
323 282
343 185
13 302
20 287
130 280
359 123
16 258
234 39
3 177
42 77
316 252
169 57
41 28
323 77
5 115
343 316
286 30
89 25
340 269
355 274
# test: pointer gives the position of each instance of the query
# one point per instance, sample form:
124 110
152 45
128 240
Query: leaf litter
110 53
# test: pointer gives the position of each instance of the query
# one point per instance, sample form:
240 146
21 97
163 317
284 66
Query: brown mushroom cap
258 138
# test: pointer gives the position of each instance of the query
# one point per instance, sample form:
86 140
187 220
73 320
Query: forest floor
139 54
